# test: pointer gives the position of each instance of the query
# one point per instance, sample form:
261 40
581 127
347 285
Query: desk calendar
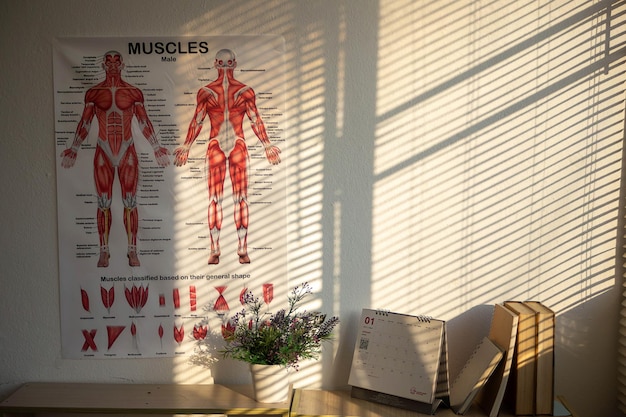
401 355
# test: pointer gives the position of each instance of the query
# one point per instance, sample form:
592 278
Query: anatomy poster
171 183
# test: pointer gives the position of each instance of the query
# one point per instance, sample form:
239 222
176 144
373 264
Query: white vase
270 383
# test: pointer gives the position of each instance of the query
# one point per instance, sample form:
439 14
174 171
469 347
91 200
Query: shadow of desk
58 399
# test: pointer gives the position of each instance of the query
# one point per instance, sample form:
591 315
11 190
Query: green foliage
284 338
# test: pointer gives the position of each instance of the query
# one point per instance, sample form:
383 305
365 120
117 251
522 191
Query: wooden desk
148 400
321 403
136 399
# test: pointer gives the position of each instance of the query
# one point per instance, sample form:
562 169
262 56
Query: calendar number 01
369 320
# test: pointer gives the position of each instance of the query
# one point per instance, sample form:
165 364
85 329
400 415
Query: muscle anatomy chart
150 136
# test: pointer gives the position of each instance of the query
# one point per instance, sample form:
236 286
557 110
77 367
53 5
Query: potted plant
270 342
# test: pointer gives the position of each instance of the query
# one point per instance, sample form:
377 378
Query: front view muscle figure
226 101
114 103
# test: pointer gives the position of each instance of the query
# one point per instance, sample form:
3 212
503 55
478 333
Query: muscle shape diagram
226 101
114 103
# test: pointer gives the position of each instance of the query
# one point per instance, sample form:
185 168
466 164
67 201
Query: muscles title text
160 48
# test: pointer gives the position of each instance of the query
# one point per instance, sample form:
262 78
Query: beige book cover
474 375
502 332
544 356
521 388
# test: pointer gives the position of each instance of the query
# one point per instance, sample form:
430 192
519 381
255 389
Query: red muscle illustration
160 331
242 296
114 103
113 332
89 340
199 332
179 333
107 297
84 299
176 297
268 293
192 297
228 329
133 332
221 306
136 297
227 101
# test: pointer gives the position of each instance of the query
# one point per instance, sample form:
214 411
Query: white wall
446 156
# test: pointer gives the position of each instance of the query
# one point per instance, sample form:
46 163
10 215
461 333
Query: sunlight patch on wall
497 170
308 109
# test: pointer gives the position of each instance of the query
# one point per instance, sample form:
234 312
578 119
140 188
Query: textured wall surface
444 156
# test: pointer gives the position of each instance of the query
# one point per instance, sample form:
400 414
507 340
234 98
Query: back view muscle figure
226 101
